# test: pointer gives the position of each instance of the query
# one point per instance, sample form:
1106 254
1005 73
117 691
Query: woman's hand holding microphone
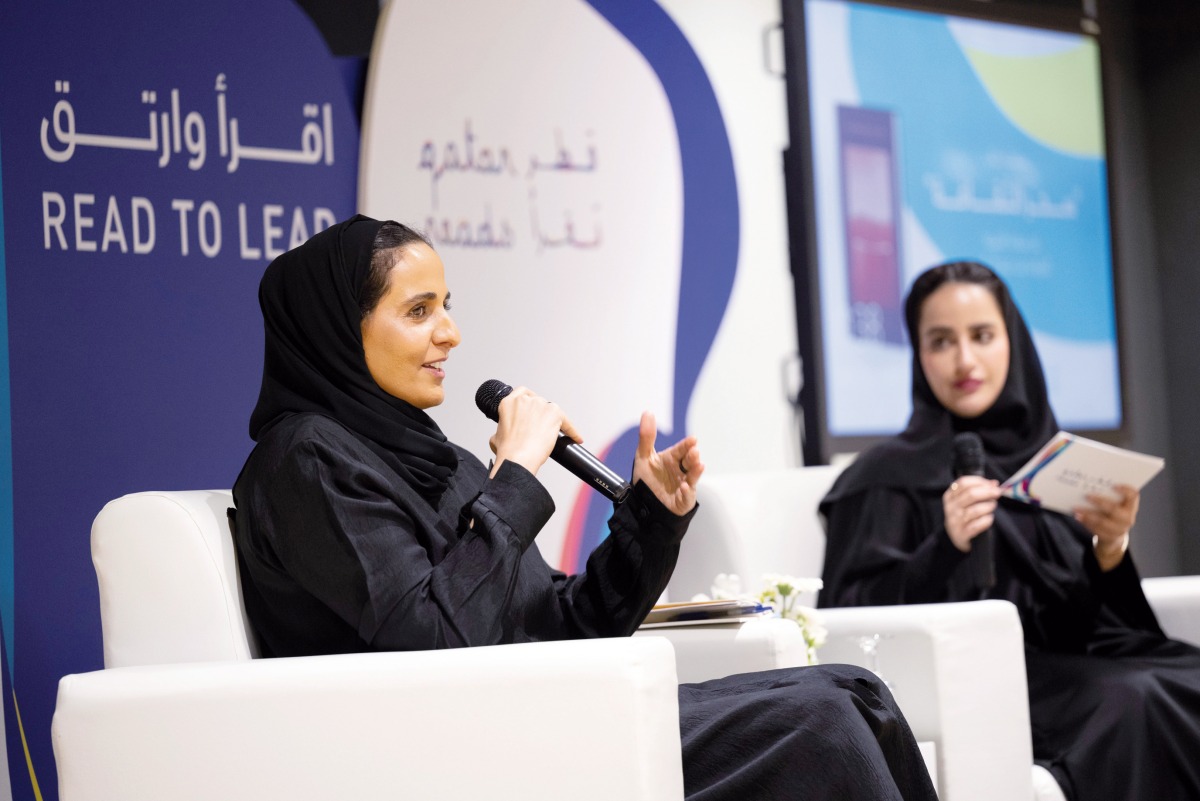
969 506
528 428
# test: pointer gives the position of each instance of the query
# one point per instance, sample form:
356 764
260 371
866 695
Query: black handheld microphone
968 461
567 452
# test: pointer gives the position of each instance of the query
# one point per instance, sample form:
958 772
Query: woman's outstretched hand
969 507
1109 521
671 474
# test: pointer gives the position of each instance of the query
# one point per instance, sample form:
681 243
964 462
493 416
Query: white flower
782 592
810 620
789 585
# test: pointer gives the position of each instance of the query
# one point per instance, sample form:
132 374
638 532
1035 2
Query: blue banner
156 157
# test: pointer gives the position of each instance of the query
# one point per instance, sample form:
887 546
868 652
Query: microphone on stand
567 452
968 461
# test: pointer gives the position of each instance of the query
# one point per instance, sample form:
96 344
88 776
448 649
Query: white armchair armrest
1176 603
958 672
600 717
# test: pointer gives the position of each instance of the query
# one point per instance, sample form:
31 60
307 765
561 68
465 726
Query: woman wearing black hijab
1114 704
360 528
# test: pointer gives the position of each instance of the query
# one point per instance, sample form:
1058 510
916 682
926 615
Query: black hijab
1012 430
314 360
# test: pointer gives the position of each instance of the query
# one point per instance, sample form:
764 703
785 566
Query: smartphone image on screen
866 141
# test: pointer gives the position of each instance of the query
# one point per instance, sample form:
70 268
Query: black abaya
336 554
797 734
359 527
1114 704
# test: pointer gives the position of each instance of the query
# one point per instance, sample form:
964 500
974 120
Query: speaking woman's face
964 348
408 336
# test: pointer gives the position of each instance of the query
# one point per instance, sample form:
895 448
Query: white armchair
182 711
937 657
957 670
1176 604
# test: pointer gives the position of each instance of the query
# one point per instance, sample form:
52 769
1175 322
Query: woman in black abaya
1114 703
360 528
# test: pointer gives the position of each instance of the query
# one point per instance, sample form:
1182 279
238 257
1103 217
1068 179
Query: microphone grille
968 454
488 397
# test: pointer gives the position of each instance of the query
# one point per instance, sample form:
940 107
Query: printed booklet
1069 468
690 613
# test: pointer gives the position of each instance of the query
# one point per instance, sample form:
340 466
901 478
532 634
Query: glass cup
869 645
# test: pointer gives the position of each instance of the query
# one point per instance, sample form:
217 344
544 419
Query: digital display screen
935 138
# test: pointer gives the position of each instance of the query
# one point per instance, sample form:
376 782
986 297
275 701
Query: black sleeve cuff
945 555
647 513
1122 577
517 498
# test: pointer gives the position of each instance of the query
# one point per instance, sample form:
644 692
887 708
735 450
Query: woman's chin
422 400
969 409
431 400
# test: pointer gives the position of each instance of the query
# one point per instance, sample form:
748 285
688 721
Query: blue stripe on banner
710 196
13 742
710 221
7 579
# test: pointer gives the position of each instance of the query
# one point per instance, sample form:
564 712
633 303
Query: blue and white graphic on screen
981 185
938 138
